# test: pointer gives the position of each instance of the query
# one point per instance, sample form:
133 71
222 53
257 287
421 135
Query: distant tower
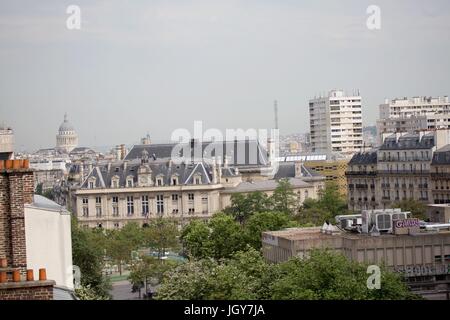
146 139
275 109
67 138
6 142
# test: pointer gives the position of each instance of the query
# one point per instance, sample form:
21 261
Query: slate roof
364 158
265 185
408 141
164 169
254 154
441 156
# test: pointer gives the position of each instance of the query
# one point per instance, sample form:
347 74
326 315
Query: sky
138 67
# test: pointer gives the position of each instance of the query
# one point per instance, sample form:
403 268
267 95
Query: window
190 196
98 200
191 210
130 205
116 225
144 205
115 183
204 198
129 183
85 200
98 211
160 203
159 182
174 197
198 180
115 206
85 212
91 184
175 211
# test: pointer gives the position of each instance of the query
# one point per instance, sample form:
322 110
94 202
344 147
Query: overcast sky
155 66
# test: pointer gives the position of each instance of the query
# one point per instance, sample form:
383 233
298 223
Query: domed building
67 138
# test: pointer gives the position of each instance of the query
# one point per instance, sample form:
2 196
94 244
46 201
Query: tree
39 189
226 236
88 293
218 238
89 258
264 221
331 200
330 204
328 275
243 206
122 242
160 235
284 198
195 239
417 208
149 270
244 275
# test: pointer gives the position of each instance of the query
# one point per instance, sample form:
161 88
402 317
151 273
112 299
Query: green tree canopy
417 208
88 256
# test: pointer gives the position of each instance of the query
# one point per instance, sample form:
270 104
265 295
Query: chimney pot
30 275
8 164
16 276
42 274
3 277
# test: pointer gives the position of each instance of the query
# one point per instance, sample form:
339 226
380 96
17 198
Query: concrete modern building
67 138
410 115
6 142
336 123
421 255
411 124
416 106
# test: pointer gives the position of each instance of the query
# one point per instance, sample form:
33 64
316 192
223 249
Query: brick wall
31 290
16 190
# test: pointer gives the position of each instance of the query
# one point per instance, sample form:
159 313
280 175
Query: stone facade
400 169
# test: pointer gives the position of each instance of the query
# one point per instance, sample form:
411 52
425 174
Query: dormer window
115 182
197 179
159 181
174 181
130 182
91 183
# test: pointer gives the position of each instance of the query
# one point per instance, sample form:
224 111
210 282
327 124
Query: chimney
16 189
125 165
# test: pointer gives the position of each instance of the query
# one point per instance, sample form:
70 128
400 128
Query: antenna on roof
275 109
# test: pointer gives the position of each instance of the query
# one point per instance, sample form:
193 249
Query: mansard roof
253 153
408 141
364 158
186 172
441 156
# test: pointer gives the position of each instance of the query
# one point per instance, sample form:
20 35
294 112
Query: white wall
49 244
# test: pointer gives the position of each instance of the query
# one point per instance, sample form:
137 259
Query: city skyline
152 68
